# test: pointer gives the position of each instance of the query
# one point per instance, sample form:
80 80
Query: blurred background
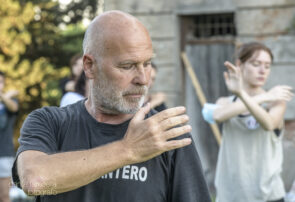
39 37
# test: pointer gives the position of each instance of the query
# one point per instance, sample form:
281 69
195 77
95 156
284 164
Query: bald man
109 147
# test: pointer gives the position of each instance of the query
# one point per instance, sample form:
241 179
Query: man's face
2 80
123 74
153 77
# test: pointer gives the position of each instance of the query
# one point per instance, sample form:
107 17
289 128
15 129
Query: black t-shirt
160 107
174 176
7 120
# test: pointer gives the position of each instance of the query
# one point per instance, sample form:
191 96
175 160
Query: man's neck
98 114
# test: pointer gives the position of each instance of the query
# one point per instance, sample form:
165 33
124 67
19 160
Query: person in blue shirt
8 109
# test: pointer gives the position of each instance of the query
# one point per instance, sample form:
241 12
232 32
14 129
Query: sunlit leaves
37 79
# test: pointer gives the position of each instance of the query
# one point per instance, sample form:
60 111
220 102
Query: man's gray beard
111 101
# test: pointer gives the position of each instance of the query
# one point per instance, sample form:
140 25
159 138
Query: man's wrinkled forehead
118 24
121 30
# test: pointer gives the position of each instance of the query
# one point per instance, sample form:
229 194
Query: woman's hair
74 59
247 50
80 86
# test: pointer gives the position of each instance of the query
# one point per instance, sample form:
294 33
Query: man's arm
57 173
144 139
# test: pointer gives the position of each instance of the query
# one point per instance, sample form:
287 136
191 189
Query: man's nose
141 76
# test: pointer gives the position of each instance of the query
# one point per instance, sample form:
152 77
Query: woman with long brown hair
250 156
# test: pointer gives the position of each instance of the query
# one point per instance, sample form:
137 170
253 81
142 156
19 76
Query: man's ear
88 66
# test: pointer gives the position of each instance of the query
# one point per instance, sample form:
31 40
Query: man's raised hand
148 138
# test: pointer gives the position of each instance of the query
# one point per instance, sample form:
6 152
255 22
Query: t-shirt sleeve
39 132
161 107
187 182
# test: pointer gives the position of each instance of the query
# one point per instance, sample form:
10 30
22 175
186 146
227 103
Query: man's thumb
139 116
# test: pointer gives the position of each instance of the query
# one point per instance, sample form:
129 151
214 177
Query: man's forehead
128 44
116 22
121 35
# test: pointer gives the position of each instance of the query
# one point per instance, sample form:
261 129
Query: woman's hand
279 93
233 78
12 94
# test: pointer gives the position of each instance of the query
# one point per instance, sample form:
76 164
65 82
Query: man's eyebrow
127 62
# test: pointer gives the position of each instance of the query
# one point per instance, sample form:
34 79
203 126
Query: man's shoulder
57 112
47 110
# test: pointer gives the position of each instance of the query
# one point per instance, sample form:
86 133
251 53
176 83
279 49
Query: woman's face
256 70
77 67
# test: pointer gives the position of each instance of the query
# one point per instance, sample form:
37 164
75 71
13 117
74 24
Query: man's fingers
175 132
171 112
139 116
174 121
175 144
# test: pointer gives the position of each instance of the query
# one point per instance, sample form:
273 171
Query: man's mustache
138 90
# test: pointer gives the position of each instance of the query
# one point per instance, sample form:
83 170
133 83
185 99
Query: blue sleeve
207 112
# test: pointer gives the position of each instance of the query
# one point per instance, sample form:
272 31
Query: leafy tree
35 79
56 29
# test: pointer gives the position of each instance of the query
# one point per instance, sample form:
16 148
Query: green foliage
48 39
34 52
37 40
72 39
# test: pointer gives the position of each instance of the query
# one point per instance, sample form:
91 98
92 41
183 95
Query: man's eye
126 67
147 64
